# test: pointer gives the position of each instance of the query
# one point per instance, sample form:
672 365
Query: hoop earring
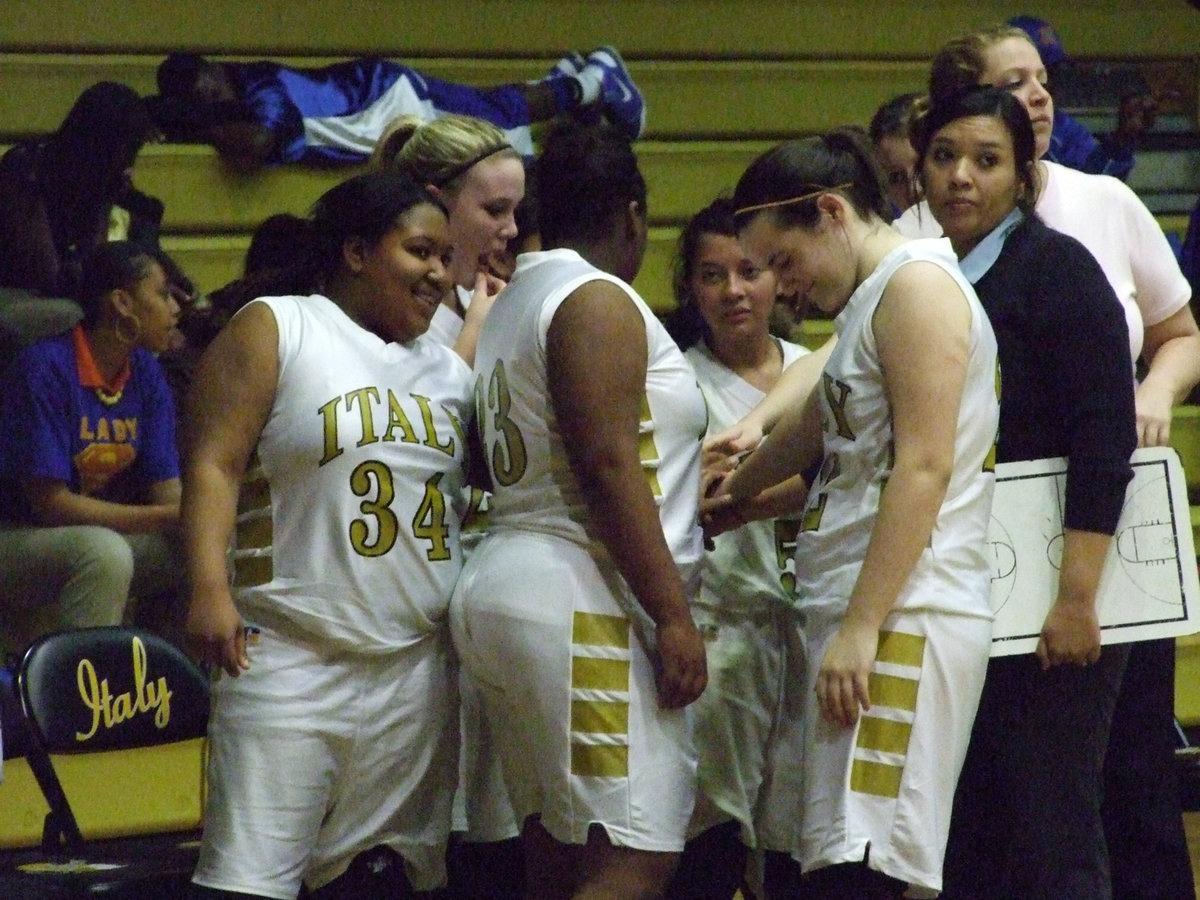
137 329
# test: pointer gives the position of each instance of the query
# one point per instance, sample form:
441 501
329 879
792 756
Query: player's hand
842 681
683 668
483 296
734 440
214 632
1070 634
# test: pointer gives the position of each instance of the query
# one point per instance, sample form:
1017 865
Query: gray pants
80 576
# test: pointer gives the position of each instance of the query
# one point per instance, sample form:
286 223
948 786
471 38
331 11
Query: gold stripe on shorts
878 779
600 695
599 630
599 760
592 674
884 735
902 649
600 716
892 691
881 747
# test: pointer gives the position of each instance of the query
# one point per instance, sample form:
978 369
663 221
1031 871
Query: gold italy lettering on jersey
989 462
328 414
362 397
785 552
507 462
831 468
836 395
431 433
397 419
109 711
365 400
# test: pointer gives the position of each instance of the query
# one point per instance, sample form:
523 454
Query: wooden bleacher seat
1185 438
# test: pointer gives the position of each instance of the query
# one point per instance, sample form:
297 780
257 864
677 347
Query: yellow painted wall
642 28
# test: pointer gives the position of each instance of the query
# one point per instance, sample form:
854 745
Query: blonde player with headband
891 573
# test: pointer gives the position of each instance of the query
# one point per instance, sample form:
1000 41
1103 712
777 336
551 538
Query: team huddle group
480 546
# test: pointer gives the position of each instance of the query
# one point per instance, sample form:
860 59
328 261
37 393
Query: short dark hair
177 74
366 206
586 176
116 264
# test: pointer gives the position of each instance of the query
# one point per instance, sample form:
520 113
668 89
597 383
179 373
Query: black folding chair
107 689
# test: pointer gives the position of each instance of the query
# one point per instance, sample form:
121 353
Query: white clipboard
1149 588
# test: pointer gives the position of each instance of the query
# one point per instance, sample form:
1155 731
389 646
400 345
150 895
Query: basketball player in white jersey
336 731
891 573
572 614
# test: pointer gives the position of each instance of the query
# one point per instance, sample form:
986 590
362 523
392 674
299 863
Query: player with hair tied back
748 776
326 437
572 613
892 574
471 167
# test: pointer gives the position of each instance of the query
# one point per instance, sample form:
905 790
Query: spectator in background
58 193
88 461
1071 144
897 158
263 113
65 194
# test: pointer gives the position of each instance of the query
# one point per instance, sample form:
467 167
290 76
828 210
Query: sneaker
569 65
619 96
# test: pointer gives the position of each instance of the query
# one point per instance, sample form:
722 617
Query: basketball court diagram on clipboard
1149 587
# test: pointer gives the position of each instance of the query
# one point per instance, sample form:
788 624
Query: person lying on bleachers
263 113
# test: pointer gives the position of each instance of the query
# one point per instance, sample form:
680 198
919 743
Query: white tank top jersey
534 487
952 574
348 529
752 566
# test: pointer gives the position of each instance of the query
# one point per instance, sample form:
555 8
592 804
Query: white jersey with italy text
348 525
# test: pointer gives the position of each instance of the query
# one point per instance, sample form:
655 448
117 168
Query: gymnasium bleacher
722 81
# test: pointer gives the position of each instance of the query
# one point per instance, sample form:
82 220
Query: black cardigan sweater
1066 379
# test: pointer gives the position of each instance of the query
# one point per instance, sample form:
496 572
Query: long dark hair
81 167
982 101
685 324
786 180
